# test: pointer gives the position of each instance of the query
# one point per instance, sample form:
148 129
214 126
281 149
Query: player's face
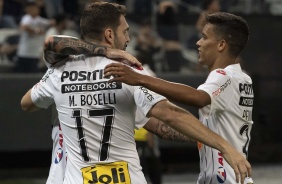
33 10
208 46
122 36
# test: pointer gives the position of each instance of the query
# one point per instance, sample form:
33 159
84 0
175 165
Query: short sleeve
144 98
42 92
26 20
217 86
140 119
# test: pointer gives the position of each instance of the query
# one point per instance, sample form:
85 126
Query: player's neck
222 63
93 41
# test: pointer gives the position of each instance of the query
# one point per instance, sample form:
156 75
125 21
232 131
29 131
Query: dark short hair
232 28
98 16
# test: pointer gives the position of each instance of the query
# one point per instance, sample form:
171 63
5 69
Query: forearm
31 30
187 124
173 91
7 49
165 132
72 46
57 48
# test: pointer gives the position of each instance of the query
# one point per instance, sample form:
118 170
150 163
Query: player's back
97 120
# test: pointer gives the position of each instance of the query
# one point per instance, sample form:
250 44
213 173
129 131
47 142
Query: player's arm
31 30
58 47
27 104
184 122
165 132
174 91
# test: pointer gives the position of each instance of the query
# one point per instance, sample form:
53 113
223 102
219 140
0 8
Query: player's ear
222 44
109 36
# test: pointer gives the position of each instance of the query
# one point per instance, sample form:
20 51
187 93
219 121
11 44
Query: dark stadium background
25 138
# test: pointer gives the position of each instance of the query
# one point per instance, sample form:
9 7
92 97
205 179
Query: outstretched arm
174 91
165 132
59 47
184 122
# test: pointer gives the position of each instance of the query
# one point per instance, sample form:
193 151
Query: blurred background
25 139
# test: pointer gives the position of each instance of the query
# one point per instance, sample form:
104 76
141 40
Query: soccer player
97 118
225 99
33 28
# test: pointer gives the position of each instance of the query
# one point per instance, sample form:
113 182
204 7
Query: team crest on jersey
221 175
59 155
221 72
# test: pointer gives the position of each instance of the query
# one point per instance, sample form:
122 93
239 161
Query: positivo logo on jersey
247 95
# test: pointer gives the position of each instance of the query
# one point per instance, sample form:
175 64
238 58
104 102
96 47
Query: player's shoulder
218 76
219 73
49 75
26 19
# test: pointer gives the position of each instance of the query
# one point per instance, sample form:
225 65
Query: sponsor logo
246 101
90 87
82 75
246 89
221 72
147 93
116 172
59 155
221 175
221 88
46 76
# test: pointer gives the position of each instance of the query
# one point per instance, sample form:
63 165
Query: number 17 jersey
97 119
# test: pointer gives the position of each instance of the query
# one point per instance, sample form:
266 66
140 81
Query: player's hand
122 73
237 161
123 57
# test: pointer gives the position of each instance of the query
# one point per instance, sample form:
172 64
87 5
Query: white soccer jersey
230 116
30 45
97 120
